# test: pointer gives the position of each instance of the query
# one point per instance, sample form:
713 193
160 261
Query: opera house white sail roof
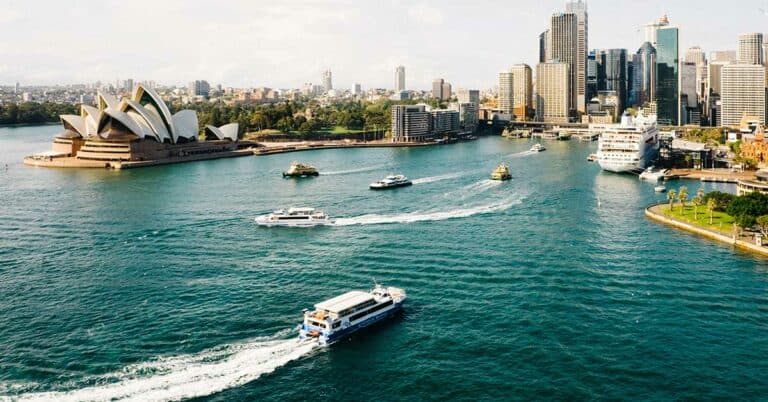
143 116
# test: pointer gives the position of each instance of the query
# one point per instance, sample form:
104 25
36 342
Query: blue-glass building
668 76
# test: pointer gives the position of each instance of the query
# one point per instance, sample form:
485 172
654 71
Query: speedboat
300 170
391 182
538 148
295 217
660 189
336 318
501 173
592 158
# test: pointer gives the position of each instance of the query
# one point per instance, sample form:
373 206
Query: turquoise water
156 284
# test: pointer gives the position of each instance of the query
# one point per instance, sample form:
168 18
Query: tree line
34 112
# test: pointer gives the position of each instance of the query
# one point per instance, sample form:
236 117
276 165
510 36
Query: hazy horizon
257 43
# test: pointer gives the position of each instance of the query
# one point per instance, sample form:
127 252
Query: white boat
538 148
341 316
296 217
629 146
391 182
660 189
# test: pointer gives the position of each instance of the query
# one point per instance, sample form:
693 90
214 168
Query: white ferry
340 316
391 182
629 146
538 148
297 217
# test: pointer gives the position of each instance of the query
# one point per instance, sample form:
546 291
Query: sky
285 43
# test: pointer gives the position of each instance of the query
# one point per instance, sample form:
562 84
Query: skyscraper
522 97
544 46
579 7
644 75
743 92
750 48
400 78
564 43
612 74
697 56
327 80
652 29
553 105
728 56
447 92
358 90
506 92
437 88
668 76
689 99
591 75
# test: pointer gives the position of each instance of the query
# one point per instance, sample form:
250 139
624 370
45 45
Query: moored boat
295 217
300 170
343 315
393 181
501 173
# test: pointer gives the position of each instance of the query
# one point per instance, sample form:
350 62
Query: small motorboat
592 158
660 189
538 148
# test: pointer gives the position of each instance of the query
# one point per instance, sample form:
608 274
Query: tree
762 224
671 196
697 201
682 196
722 200
711 205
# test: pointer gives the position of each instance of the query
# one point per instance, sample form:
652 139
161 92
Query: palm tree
682 196
671 196
711 204
697 201
701 193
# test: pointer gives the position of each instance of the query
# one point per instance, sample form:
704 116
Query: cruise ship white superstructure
342 315
629 146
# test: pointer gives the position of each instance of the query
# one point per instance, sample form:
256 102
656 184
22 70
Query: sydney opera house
139 131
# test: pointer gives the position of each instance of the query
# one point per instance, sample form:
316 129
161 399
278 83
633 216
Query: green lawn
720 220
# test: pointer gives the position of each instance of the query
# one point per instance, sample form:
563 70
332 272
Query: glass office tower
668 76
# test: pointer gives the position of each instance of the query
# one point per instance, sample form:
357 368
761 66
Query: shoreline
653 213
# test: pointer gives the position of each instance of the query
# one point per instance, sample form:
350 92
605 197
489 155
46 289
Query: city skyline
247 45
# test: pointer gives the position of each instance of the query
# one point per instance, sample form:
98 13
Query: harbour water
155 283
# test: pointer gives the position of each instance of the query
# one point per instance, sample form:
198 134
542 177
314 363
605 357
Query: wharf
709 175
271 148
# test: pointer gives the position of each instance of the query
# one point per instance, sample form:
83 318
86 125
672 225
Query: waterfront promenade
727 236
714 175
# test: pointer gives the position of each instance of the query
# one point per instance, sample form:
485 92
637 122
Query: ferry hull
336 336
376 187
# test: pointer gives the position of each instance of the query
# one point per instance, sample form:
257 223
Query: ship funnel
626 120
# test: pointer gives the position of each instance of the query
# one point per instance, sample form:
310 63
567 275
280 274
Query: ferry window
336 324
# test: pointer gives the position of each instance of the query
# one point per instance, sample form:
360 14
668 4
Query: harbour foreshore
710 175
271 148
654 212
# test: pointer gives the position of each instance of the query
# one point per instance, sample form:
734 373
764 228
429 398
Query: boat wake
375 219
186 376
353 171
432 179
521 154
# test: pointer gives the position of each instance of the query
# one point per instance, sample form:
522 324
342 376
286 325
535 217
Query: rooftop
345 301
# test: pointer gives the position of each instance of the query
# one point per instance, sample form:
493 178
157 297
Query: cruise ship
340 316
296 217
629 146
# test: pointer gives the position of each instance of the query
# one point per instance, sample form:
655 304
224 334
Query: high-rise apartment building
358 90
743 92
410 123
668 106
327 80
564 47
400 79
553 103
506 92
750 48
522 93
579 8
198 88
